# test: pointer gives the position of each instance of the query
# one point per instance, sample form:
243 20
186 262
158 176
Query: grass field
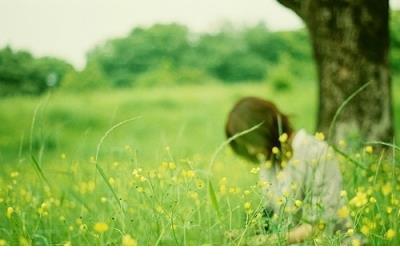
153 184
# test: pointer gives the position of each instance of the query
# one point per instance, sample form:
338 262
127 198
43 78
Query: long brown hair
248 112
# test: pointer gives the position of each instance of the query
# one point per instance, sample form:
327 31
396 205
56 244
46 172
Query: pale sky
69 28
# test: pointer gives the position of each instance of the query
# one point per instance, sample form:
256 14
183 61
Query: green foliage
280 82
88 79
281 77
157 170
168 54
21 73
395 41
166 75
143 50
240 66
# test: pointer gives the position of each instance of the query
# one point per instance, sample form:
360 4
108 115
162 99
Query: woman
301 172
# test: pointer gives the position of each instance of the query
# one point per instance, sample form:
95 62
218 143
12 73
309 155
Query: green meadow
148 166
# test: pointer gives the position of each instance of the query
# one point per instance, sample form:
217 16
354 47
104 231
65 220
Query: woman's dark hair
249 112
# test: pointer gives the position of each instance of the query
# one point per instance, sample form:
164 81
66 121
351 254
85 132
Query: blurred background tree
351 47
169 54
21 73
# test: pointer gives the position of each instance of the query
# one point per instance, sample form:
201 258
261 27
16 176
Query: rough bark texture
350 40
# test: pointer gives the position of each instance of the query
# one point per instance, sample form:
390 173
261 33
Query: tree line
165 54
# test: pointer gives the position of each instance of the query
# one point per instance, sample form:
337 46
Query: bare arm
296 235
299 233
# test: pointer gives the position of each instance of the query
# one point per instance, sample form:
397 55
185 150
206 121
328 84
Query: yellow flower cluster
359 200
100 227
128 240
320 136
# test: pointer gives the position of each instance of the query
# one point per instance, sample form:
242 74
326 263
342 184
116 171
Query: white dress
308 189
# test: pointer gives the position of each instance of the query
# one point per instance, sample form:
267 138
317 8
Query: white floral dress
307 189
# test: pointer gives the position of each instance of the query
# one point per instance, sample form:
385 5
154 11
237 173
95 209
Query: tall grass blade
39 170
225 143
33 123
111 130
104 176
211 192
393 146
213 198
355 162
341 107
80 201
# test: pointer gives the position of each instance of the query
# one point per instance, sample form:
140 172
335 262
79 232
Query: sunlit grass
151 183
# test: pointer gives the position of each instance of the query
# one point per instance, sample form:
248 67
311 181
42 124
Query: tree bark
350 41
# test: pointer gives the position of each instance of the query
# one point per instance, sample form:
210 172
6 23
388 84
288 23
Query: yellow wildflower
372 200
280 200
24 242
10 212
83 227
365 230
14 174
343 212
283 138
223 180
200 184
136 172
368 149
247 205
275 150
356 242
350 232
359 200
235 190
171 165
111 181
386 189
101 227
127 240
140 189
193 195
255 170
390 234
263 184
3 242
389 210
320 136
342 143
159 209
190 174
298 203
321 225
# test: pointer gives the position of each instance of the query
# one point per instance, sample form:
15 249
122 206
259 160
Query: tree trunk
350 40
